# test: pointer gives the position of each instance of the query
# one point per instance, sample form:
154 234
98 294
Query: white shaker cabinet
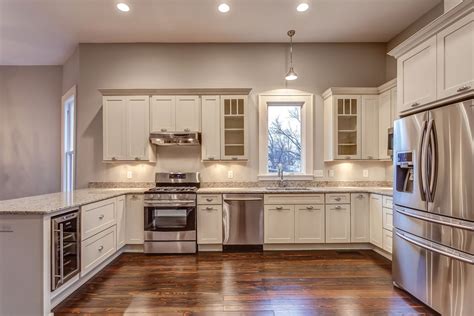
121 221
376 223
385 122
211 128
134 216
360 214
162 113
209 223
138 131
309 224
370 127
338 223
188 113
279 224
416 76
234 129
456 58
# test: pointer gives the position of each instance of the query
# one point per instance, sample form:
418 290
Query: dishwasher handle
242 199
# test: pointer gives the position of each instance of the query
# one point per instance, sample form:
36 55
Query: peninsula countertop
58 202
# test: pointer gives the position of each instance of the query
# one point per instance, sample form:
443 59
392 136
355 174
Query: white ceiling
45 32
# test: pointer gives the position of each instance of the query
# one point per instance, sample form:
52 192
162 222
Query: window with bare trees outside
284 138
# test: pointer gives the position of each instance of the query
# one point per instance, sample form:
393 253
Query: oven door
170 222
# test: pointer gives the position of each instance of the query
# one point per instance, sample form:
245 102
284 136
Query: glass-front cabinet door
234 128
348 127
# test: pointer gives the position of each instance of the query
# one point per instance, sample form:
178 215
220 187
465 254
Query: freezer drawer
441 277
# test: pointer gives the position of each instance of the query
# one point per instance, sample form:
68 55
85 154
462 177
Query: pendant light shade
291 74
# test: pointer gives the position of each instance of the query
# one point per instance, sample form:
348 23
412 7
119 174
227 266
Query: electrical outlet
331 173
319 173
365 173
230 174
129 174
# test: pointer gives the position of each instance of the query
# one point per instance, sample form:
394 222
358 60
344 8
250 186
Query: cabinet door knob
101 248
463 88
209 208
114 158
415 104
163 129
137 158
101 216
360 196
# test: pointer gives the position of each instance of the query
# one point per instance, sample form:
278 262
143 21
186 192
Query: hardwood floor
269 283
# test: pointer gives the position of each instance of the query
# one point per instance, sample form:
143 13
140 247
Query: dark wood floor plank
269 283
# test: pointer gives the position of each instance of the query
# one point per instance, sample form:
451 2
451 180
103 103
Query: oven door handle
176 204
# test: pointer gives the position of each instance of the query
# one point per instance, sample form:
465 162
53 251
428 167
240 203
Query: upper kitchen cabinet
211 128
370 127
455 58
126 128
387 115
435 65
416 74
234 127
175 114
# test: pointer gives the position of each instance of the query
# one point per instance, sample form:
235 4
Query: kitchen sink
287 189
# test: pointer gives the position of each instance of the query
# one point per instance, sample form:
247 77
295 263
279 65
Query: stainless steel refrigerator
433 242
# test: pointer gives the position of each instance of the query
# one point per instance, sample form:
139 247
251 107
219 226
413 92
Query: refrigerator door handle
437 249
433 174
421 161
432 218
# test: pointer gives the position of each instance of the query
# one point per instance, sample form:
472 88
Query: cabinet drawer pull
136 158
101 216
415 104
337 207
279 208
187 130
209 200
348 157
370 157
235 158
163 129
360 196
114 158
209 208
337 199
101 248
211 158
309 207
463 88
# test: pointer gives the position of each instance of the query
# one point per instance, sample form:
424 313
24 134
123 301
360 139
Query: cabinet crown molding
177 91
464 8
350 91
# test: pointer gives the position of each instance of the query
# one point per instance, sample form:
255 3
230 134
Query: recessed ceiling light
123 7
223 7
302 7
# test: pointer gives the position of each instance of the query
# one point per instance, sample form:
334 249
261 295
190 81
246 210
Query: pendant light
291 74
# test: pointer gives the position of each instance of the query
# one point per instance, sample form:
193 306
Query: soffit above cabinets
178 91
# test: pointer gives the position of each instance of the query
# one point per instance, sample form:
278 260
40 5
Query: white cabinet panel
135 219
360 214
188 114
234 129
309 224
416 76
385 122
376 225
121 221
138 127
209 223
211 128
456 58
338 223
370 127
96 217
162 113
279 222
97 249
394 115
347 122
209 199
114 128
387 240
387 218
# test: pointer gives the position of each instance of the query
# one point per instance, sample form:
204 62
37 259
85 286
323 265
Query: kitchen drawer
387 240
209 199
338 198
387 218
97 249
96 217
387 201
292 199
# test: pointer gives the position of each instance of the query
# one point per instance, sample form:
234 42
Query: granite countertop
56 202
377 190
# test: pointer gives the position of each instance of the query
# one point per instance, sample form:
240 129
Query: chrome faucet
281 179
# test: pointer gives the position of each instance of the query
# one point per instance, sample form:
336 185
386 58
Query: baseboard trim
208 248
133 248
277 247
382 252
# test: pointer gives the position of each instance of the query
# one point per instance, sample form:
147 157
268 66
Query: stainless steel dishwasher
243 221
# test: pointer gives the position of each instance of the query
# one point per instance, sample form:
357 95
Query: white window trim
282 96
71 93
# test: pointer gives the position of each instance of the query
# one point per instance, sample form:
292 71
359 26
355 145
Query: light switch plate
129 174
365 173
331 173
230 174
319 173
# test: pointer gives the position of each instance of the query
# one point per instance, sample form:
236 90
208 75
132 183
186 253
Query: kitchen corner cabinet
370 127
175 114
121 221
134 216
126 128
416 76
224 128
376 220
209 223
360 214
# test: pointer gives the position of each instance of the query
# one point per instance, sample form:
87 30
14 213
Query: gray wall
30 116
257 66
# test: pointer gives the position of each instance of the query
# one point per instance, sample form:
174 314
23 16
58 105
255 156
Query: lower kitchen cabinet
121 222
376 223
309 224
279 222
209 223
387 240
338 223
135 219
360 223
97 249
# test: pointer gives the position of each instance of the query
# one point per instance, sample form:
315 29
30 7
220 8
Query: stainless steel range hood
176 138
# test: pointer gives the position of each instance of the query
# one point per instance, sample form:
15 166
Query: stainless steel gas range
170 213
